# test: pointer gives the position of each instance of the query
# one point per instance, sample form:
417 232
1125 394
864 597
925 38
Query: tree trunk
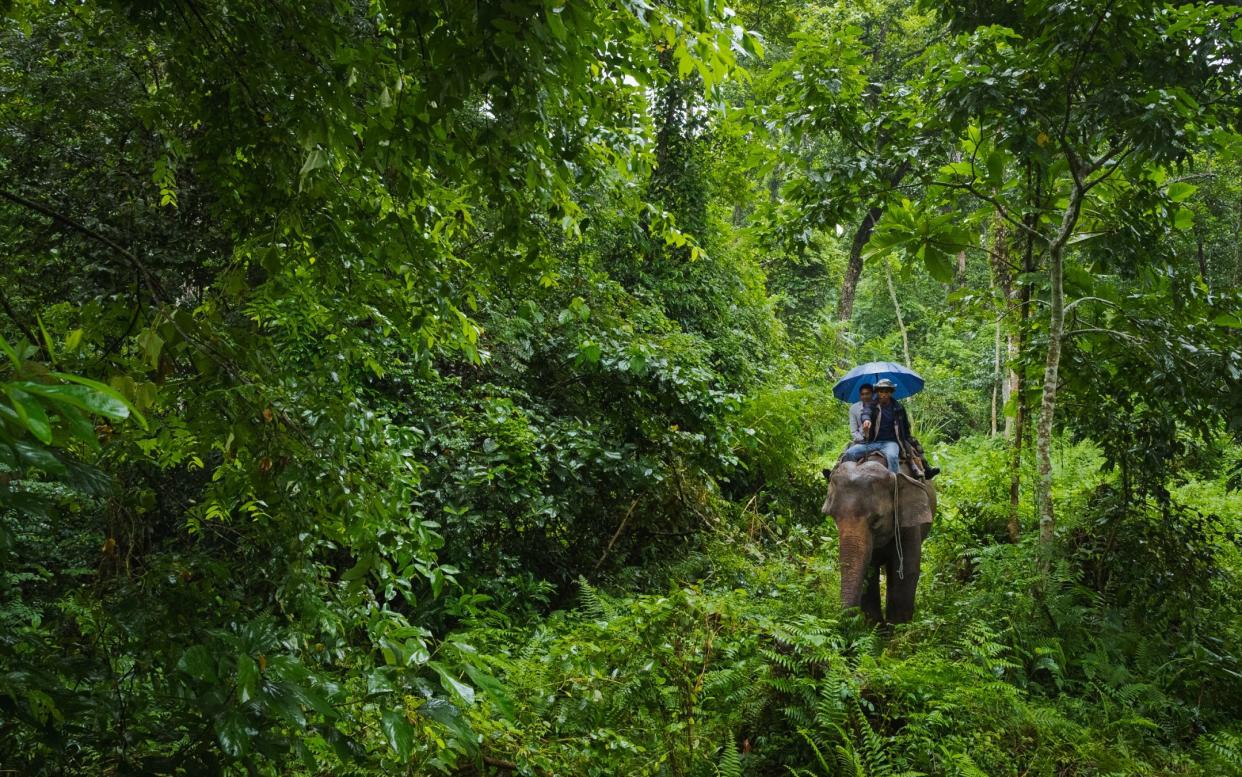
1004 376
892 293
1015 428
1048 404
1015 465
853 270
1013 351
1021 291
1203 267
1237 246
996 371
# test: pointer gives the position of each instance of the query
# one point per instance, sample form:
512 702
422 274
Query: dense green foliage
444 387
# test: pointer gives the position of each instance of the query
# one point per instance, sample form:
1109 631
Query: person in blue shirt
886 428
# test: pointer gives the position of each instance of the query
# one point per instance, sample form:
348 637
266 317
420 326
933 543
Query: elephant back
865 490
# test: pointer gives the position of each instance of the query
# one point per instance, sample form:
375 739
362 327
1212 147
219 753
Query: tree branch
147 276
21 325
157 292
995 203
1102 330
1103 161
1079 55
1071 305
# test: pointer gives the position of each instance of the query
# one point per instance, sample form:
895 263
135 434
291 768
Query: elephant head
861 501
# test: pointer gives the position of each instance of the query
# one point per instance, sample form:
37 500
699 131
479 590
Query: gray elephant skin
860 500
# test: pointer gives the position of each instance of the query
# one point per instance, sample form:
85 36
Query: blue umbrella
908 381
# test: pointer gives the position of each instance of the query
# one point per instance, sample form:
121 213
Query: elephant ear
916 502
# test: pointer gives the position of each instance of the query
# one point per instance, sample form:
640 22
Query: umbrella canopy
908 381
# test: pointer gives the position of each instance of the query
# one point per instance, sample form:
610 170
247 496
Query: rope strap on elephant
901 560
901 556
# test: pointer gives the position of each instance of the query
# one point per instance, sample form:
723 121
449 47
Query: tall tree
1078 93
846 102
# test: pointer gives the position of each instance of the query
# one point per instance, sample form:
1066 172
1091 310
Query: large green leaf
451 683
248 677
939 264
89 399
105 400
198 662
448 715
495 691
10 352
234 733
398 731
1180 191
38 457
79 427
30 413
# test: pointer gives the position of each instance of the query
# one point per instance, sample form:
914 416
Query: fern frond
730 763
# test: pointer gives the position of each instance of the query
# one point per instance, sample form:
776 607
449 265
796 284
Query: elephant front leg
899 604
856 546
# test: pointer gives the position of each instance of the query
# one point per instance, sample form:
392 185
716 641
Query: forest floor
737 658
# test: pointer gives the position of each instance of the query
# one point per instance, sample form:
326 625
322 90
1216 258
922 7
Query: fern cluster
743 663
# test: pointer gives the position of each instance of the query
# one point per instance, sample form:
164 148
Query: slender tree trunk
1237 246
1015 428
996 372
1048 405
1004 376
1015 466
853 269
892 293
1203 267
1017 372
1013 351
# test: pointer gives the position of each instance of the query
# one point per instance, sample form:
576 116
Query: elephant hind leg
899 604
871 595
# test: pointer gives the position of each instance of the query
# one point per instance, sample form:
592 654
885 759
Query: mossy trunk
1052 366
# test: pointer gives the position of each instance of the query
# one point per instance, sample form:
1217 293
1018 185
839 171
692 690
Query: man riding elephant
883 512
886 428
864 399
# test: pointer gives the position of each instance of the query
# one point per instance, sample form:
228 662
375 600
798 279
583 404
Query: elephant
860 500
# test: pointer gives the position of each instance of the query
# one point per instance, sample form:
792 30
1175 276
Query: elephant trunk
856 546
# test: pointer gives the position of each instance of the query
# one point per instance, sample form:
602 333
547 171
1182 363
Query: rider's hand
866 426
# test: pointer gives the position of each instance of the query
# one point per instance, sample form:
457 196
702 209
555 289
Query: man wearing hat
886 428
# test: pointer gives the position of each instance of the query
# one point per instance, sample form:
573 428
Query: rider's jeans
888 448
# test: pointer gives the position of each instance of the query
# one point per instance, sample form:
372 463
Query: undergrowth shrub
738 660
783 450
